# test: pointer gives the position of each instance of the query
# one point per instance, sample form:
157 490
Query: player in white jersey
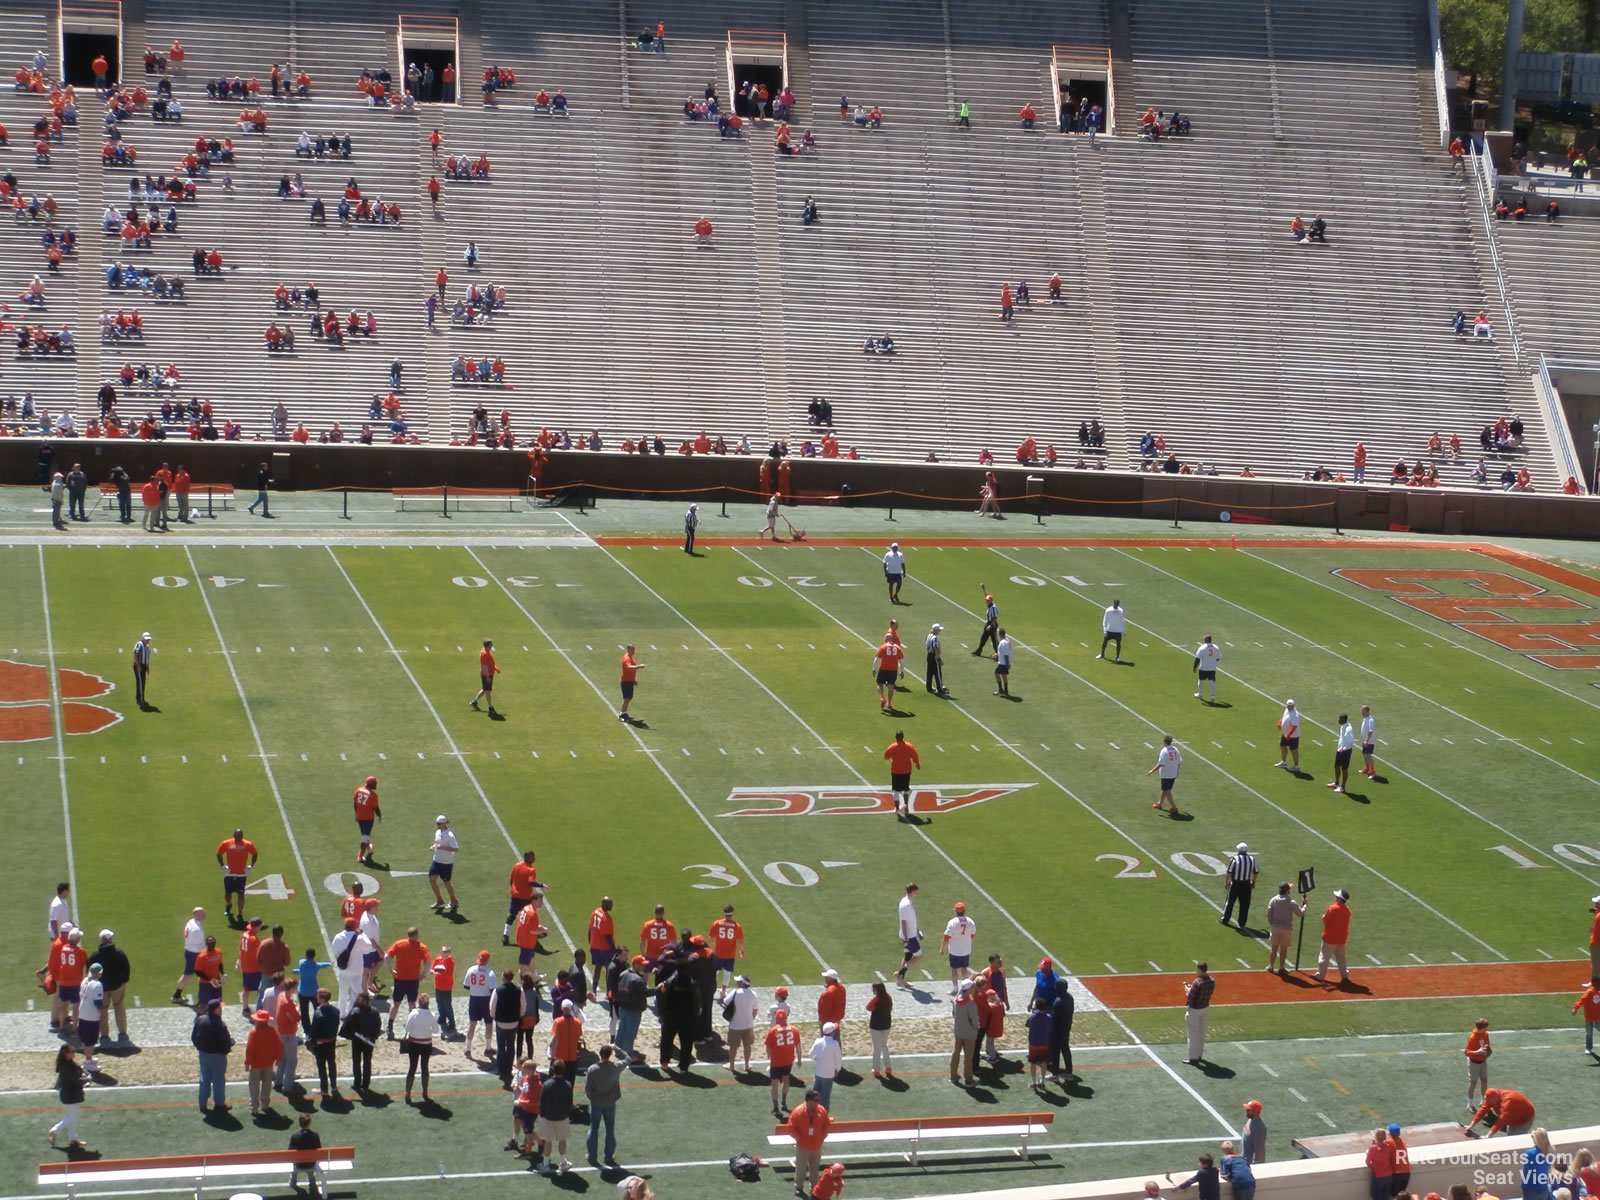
910 933
1206 657
1169 762
1369 743
1342 750
1289 736
480 982
1113 624
894 571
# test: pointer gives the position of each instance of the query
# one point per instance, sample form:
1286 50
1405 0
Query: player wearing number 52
235 856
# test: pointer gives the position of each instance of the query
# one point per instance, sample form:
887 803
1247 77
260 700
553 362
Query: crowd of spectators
1154 125
333 145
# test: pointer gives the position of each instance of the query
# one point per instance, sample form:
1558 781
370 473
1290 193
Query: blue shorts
959 960
252 981
525 955
441 870
233 884
1367 748
69 994
723 964
516 906
887 676
365 827
627 689
477 1008
602 958
524 1118
89 1033
1002 669
188 961
778 1072
404 989
913 948
371 960
1289 743
1168 784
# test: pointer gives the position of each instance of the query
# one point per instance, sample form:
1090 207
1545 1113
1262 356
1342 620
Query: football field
290 667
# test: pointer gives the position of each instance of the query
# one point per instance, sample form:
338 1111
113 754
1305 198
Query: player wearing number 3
1169 761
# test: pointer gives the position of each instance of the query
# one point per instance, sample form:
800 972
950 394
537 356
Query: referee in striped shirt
1241 877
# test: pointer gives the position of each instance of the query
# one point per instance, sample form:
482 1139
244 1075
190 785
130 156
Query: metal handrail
1555 417
1483 178
1439 91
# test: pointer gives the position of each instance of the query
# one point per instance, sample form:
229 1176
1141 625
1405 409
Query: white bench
916 1130
458 498
199 1168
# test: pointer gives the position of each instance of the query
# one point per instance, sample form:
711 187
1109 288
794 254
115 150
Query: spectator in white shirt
1002 665
194 941
1289 736
826 1059
60 916
957 943
744 1005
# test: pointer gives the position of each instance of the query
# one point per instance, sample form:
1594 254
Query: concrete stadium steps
54 380
576 47
995 74
891 54
1556 309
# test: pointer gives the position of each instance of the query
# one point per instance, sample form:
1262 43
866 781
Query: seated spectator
1481 326
1147 445
558 104
1572 487
318 212
1029 116
1552 211
1459 323
302 85
1028 451
541 101
303 146
1297 229
1435 443
878 345
1318 231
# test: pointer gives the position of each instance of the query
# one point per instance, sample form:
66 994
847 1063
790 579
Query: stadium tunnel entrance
1083 78
757 57
429 42
82 44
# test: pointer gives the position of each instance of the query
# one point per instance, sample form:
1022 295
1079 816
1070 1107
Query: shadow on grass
1213 1070
434 1111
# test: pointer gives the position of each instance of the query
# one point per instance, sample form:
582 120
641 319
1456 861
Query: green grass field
287 672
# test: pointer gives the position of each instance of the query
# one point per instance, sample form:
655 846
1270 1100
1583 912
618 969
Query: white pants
1195 1019
1331 953
880 1050
350 984
69 1122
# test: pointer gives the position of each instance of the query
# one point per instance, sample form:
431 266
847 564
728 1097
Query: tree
1474 34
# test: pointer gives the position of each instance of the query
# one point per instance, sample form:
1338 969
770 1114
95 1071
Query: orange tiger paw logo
25 702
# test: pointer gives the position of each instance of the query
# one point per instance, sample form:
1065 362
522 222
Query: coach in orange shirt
902 758
410 957
235 855
808 1126
1335 937
486 673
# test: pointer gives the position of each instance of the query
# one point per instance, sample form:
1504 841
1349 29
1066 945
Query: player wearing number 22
235 856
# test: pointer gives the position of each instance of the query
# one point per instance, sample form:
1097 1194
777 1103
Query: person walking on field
630 679
808 1126
991 623
1168 761
894 571
69 1090
1206 657
486 673
1197 1011
910 934
769 531
1478 1051
1113 624
1369 743
902 758
1344 746
445 847
1589 1002
1241 876
1289 736
934 677
1282 910
886 670
1002 665
1335 937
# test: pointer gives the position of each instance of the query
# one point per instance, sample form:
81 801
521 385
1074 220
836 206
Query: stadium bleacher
1186 307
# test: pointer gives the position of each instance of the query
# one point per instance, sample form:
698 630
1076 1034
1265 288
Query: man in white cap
967 1027
91 1012
1289 736
691 522
58 497
826 1059
1241 877
935 672
142 650
443 865
894 572
1335 936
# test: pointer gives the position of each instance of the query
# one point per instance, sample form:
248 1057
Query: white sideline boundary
57 724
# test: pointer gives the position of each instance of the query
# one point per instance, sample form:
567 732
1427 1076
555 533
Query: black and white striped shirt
1242 868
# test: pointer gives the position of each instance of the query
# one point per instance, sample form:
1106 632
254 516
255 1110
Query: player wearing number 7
235 856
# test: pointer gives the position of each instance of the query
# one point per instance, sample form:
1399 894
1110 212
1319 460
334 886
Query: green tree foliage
1474 33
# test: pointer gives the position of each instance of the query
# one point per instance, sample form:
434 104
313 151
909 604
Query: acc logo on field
25 702
856 801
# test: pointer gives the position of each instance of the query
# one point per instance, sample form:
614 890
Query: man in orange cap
831 1183
1512 1112
957 944
480 983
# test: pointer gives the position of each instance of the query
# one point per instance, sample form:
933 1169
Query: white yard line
1418 780
1239 783
261 753
444 730
753 876
995 737
57 722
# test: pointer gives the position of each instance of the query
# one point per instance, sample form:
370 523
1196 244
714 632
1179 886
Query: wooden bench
917 1129
219 495
201 1168
448 497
